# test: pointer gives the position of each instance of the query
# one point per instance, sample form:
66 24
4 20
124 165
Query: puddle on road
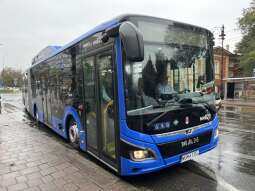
230 108
184 176
238 109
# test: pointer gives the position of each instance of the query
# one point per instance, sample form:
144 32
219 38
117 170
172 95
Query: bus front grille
180 146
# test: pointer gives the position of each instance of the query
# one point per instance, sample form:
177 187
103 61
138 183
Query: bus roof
99 28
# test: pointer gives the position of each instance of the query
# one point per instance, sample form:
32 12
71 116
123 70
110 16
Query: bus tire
73 133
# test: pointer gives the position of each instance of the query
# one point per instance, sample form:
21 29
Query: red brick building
230 67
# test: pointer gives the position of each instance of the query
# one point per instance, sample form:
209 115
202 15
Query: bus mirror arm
132 40
111 32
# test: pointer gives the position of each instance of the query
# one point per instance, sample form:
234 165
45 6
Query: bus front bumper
130 167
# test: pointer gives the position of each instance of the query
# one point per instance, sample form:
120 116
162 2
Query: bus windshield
177 68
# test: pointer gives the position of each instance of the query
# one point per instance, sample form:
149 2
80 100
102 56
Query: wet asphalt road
231 166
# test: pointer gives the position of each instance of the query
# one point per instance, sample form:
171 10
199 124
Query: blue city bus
136 92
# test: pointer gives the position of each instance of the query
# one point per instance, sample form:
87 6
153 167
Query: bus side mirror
132 40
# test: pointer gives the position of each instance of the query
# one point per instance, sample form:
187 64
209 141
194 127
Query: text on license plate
189 156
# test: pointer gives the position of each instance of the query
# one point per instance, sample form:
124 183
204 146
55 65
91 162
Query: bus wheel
73 133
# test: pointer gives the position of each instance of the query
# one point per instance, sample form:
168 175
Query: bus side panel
58 126
64 94
36 99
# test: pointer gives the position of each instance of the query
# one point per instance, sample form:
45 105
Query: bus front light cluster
140 155
136 153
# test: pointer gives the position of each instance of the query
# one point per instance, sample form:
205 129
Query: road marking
221 181
225 184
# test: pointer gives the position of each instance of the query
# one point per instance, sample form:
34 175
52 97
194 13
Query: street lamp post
222 36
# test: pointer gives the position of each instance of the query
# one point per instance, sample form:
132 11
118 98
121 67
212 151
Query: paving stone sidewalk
35 158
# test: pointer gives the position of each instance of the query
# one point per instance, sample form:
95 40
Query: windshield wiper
130 112
162 114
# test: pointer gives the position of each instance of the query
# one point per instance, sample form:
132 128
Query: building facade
229 69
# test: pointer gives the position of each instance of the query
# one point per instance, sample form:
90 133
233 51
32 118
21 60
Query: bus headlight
216 133
139 155
136 153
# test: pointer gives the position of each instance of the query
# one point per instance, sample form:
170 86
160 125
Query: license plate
189 156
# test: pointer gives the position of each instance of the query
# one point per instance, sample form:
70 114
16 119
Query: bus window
90 102
106 93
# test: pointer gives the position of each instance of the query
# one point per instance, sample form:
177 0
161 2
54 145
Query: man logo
206 117
189 131
187 120
190 142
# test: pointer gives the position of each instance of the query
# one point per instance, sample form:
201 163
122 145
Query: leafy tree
246 47
11 77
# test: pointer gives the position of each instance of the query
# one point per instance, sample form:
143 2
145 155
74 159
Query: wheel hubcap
73 133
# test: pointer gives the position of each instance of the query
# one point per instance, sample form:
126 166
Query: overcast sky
27 26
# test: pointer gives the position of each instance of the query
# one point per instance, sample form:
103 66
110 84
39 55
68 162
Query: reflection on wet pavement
234 158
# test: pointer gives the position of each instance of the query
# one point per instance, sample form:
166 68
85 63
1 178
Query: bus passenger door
100 106
91 122
106 105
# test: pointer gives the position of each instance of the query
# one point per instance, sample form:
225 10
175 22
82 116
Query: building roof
217 50
45 53
97 29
